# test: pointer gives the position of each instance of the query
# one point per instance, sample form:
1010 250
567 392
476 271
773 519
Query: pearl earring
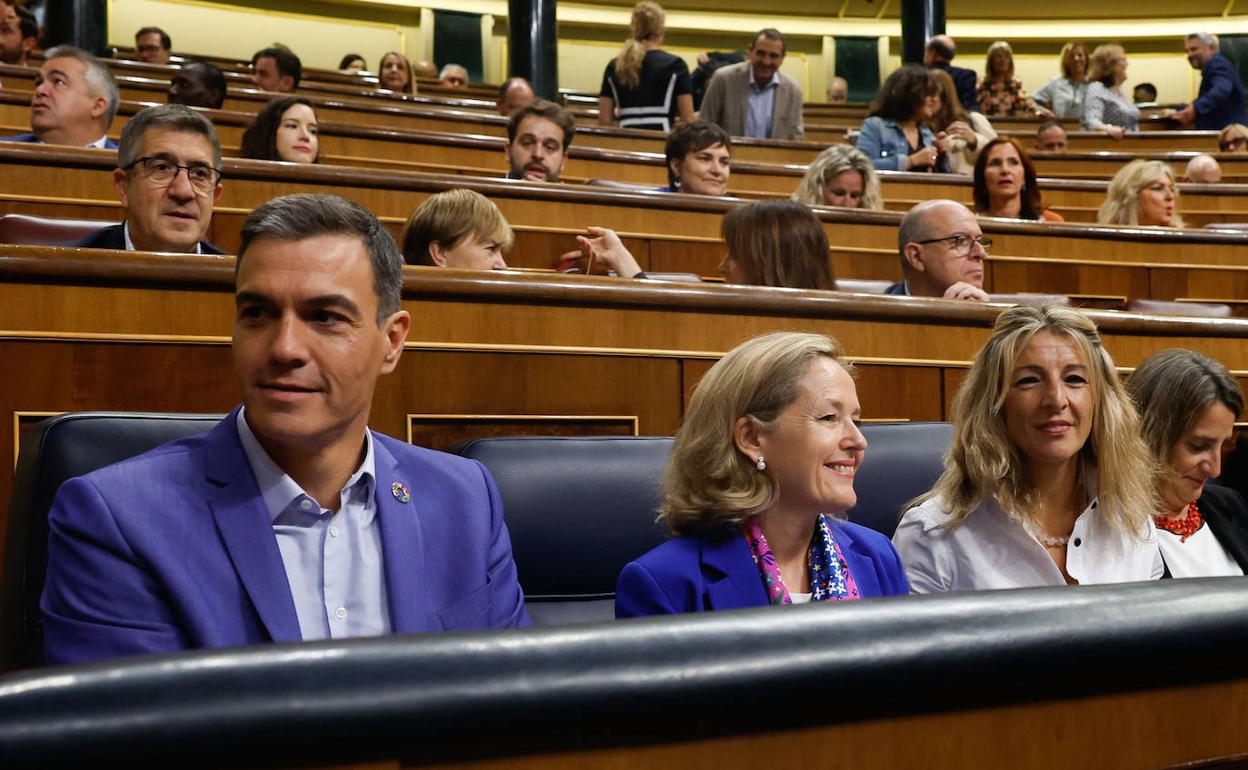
761 464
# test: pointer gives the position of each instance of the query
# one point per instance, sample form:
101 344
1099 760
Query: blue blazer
114 237
883 141
174 549
109 144
1221 99
697 574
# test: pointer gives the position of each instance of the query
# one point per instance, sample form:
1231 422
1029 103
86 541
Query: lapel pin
400 492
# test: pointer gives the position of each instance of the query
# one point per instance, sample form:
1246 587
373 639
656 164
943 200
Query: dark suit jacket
697 574
1221 99
964 79
109 144
1227 516
174 549
114 237
897 289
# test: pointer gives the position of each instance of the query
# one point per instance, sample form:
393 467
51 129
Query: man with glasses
942 252
168 177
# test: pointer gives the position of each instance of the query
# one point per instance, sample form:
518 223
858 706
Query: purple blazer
697 574
174 549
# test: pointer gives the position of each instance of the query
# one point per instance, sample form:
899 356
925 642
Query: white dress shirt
1201 556
990 549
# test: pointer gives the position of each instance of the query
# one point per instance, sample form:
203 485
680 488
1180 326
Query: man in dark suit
168 177
941 252
939 53
74 101
19 33
290 520
1221 99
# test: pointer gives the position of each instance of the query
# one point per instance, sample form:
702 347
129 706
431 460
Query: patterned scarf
830 579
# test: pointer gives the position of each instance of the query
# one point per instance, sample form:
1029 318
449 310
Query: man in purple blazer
290 520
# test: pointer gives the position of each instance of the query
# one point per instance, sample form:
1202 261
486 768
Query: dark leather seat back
903 460
61 448
46 231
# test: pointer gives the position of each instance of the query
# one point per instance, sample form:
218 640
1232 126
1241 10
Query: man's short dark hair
771 33
287 62
214 79
941 48
1147 88
543 109
175 117
1046 125
27 22
300 217
165 41
692 137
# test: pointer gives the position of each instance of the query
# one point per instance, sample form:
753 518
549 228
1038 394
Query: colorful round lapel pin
400 492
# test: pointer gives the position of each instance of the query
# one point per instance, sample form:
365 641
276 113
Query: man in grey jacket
754 98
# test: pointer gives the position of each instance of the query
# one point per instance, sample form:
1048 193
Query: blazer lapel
732 578
247 531
402 555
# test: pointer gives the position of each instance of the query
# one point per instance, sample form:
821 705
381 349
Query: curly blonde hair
710 487
1122 198
984 462
830 164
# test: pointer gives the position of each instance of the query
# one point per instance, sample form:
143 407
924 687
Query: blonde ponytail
647 24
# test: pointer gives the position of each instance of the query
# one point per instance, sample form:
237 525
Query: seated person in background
167 178
285 129
1188 406
960 134
761 469
396 73
1203 169
1144 93
895 136
776 243
277 69
457 228
198 84
513 94
154 45
1047 481
838 90
1005 183
1143 192
74 101
454 76
1105 108
352 64
699 158
290 520
1233 138
424 69
19 33
538 137
841 176
1051 137
1000 93
942 252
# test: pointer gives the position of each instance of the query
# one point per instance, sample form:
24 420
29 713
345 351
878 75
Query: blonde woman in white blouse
1047 481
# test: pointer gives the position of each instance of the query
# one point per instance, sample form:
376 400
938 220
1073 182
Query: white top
799 598
991 549
1201 556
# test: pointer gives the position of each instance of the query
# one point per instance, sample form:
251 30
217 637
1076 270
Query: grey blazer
727 98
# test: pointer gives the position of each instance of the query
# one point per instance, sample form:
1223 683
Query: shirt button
305 504
333 532
1078 542
340 613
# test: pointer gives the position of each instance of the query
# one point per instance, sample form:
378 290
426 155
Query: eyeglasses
162 171
961 243
1231 144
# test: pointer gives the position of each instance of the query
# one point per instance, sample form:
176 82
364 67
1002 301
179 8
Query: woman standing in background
647 87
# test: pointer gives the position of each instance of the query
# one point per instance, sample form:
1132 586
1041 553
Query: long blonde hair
983 462
830 164
1122 197
648 24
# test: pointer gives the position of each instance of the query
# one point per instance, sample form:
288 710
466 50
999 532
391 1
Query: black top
653 103
1227 515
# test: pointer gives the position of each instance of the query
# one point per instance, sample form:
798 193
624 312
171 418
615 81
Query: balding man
942 252
513 94
1221 99
939 53
838 90
1203 169
74 101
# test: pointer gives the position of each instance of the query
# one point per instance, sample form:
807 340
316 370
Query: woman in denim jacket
894 137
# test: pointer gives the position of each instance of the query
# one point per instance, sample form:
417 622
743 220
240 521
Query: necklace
1184 527
1052 542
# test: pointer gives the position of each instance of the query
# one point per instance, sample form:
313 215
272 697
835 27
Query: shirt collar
775 81
101 143
279 490
125 228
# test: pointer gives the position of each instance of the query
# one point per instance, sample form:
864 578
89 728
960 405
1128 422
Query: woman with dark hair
285 129
1000 93
776 243
1063 95
1105 106
645 87
961 135
1188 406
352 64
396 73
894 137
698 159
1005 183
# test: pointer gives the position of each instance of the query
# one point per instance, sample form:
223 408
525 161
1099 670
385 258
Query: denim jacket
883 141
